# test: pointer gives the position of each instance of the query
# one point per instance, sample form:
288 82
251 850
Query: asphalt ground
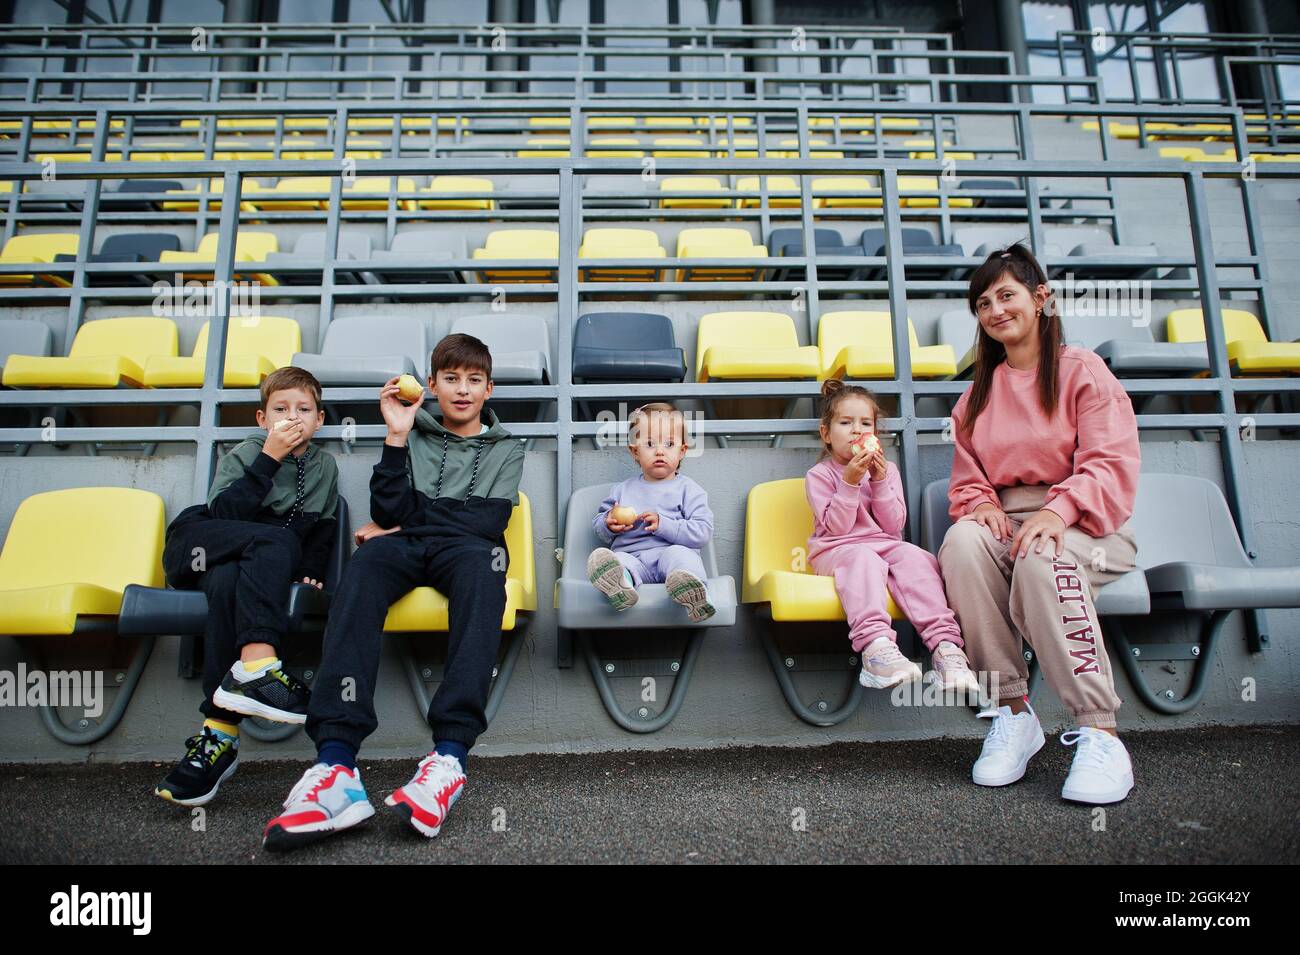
1212 795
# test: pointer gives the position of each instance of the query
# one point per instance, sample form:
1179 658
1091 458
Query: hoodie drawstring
437 491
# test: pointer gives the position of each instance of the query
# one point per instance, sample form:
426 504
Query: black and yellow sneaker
208 762
271 693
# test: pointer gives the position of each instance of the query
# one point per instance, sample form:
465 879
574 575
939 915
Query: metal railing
568 291
1163 53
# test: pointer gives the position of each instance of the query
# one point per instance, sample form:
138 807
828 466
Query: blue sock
452 748
335 752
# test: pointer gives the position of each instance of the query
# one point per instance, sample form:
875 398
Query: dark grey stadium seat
626 346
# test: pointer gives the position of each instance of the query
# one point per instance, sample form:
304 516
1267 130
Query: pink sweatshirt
843 513
1087 451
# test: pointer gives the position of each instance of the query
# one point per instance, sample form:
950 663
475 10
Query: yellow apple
409 388
623 514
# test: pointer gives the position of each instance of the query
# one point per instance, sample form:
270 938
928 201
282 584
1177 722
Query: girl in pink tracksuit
859 511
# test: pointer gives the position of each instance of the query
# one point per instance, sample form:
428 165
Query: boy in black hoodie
269 520
440 498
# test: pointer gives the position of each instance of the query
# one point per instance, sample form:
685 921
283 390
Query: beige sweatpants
1047 600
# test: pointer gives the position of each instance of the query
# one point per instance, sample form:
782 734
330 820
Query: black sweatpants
249 568
471 572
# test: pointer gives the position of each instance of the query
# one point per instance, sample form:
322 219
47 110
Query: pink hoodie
842 512
1087 451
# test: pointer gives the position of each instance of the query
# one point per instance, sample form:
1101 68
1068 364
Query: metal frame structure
569 293
1165 50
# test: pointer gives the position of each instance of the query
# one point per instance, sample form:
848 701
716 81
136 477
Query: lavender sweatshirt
682 506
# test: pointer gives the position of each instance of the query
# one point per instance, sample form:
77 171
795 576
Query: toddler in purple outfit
654 523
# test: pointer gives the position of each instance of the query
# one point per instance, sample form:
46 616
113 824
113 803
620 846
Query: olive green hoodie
405 482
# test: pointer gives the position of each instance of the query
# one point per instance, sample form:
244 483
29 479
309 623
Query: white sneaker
1101 772
1013 739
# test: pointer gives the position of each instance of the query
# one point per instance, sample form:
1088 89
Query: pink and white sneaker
883 666
429 796
951 670
326 800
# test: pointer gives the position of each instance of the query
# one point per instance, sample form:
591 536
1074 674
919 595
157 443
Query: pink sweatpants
866 572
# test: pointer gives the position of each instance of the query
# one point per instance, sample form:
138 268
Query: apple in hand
409 389
868 443
623 514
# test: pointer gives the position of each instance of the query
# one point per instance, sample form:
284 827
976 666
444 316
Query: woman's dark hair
835 391
1018 262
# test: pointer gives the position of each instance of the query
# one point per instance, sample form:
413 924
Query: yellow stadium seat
911 184
291 195
249 247
615 147
782 193
38 247
548 122
672 184
617 244
105 353
724 145
255 347
1114 129
424 609
378 188
953 155
718 243
858 344
791 150
611 122
541 246
680 147
900 123
669 122
737 122
70 554
441 186
248 190
752 345
778 523
1249 350
824 184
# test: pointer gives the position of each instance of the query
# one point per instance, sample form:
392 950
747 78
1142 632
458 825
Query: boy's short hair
461 351
290 376
646 413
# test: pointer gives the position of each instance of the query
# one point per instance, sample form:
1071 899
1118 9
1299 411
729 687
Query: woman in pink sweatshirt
858 516
1044 478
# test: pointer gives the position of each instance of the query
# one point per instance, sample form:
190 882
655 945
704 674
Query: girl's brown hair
835 391
1018 262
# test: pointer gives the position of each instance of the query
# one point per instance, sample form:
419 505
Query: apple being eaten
869 443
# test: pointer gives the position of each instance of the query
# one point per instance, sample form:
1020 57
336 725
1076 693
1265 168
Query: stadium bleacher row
821 240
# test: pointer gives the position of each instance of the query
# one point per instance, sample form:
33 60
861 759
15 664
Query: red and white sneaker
429 796
326 800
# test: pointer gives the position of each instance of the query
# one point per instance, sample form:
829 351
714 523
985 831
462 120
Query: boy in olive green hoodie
269 521
440 498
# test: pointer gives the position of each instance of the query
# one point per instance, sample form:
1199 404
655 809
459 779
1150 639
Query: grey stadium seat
1130 350
422 247
582 608
957 328
364 350
520 345
309 249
